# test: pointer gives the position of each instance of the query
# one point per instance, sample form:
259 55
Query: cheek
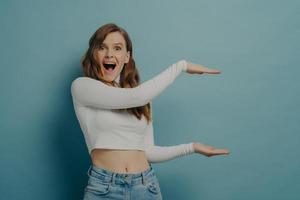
99 56
123 58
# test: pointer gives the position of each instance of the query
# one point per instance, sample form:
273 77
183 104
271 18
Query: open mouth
109 67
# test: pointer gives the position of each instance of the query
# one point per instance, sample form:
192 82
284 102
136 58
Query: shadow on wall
68 145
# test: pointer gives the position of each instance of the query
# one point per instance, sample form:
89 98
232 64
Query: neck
117 79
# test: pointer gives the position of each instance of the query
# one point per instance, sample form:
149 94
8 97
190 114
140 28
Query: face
112 55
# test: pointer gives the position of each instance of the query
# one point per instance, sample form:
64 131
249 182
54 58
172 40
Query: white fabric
103 126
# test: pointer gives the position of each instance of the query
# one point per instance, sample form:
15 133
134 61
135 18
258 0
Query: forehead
114 37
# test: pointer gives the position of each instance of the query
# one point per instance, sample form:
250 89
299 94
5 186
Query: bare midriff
120 161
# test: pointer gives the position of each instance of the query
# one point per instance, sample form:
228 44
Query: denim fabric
105 184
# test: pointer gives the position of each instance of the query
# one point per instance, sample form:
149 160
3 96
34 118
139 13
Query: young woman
114 113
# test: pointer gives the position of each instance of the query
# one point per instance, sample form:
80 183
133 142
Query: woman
114 113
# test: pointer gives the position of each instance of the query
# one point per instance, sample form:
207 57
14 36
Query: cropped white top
103 126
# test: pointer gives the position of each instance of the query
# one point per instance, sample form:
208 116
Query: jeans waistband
108 176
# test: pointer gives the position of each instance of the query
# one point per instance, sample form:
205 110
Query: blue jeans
105 184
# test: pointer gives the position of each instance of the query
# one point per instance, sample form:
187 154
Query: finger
220 151
213 71
208 70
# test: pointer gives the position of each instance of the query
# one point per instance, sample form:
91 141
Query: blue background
252 108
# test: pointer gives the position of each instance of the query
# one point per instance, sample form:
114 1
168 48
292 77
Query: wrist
197 146
194 146
185 65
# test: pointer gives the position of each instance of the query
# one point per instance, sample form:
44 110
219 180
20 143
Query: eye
101 47
118 48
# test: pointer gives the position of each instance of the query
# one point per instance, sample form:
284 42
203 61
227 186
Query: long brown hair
129 76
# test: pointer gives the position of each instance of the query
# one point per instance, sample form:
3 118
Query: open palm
209 150
193 68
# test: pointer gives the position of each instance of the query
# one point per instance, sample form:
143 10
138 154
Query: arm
157 154
90 92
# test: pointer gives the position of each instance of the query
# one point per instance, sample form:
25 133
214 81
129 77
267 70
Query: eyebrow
118 43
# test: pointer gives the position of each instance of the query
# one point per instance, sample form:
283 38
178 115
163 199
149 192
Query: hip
105 184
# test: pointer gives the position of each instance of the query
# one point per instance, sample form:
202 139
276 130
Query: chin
110 78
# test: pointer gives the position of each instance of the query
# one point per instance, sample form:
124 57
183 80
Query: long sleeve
90 92
157 154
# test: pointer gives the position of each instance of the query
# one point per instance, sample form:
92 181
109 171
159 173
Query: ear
127 56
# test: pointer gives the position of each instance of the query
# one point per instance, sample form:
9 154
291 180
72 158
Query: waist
107 176
120 161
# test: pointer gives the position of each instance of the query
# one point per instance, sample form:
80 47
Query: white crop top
103 126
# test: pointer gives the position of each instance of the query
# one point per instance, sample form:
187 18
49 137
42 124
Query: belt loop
88 171
113 179
143 179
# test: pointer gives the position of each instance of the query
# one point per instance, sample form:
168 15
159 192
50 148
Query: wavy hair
129 76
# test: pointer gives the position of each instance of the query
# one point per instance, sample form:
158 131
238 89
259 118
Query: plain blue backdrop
252 108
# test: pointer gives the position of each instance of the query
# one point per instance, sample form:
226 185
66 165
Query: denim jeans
105 184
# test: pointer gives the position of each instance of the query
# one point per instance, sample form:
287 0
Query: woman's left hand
193 68
209 150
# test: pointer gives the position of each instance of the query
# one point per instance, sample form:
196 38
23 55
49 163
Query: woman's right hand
193 68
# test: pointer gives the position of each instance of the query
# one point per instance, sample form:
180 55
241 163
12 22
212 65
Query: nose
108 53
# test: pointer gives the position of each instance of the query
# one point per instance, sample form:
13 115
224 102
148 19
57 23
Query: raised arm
157 154
90 92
